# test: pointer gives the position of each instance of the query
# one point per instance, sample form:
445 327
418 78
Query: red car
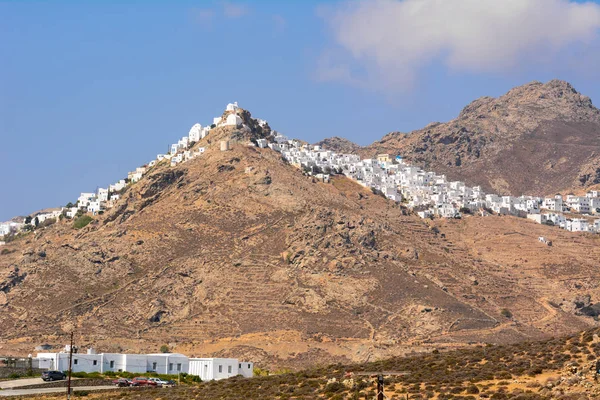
142 381
122 382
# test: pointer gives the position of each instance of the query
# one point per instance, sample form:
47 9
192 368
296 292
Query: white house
117 186
553 203
577 225
4 228
219 368
233 120
579 204
102 194
195 133
71 212
85 199
136 175
94 206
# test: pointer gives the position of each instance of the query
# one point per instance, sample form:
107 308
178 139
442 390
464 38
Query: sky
91 90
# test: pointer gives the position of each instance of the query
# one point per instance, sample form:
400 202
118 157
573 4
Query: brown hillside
238 253
536 139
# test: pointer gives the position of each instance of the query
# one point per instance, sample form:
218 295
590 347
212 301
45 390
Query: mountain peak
538 138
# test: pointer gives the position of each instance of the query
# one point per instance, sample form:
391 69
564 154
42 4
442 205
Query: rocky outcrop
339 145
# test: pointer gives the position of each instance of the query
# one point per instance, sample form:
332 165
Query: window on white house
240 366
248 366
178 367
75 361
95 362
170 366
153 366
220 368
112 364
229 369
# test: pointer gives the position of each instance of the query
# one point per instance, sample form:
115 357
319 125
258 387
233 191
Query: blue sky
90 90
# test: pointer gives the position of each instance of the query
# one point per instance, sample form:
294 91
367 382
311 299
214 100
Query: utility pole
70 362
379 387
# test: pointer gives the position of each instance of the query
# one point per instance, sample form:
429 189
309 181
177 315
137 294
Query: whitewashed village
429 194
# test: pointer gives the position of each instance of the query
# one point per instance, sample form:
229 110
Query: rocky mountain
237 253
536 139
340 145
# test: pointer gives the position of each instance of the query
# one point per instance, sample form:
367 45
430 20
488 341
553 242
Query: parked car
53 376
122 382
159 382
142 381
170 383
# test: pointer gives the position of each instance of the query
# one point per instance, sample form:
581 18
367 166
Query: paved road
22 392
20 382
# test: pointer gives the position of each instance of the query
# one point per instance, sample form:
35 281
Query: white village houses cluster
431 194
162 363
105 198
428 193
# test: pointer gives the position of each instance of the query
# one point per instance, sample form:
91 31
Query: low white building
577 225
94 206
219 368
71 212
162 363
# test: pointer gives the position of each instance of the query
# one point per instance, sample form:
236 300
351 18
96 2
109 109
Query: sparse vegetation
484 372
82 221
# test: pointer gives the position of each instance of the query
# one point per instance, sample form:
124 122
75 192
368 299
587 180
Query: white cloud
385 43
231 10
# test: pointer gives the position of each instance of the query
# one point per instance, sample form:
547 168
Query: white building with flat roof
162 363
219 368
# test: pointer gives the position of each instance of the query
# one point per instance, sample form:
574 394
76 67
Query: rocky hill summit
238 253
340 145
537 139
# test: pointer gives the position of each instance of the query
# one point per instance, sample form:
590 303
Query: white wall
135 363
82 362
217 368
246 369
117 362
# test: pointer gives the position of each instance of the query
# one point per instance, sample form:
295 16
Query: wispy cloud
204 16
233 10
386 43
279 23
